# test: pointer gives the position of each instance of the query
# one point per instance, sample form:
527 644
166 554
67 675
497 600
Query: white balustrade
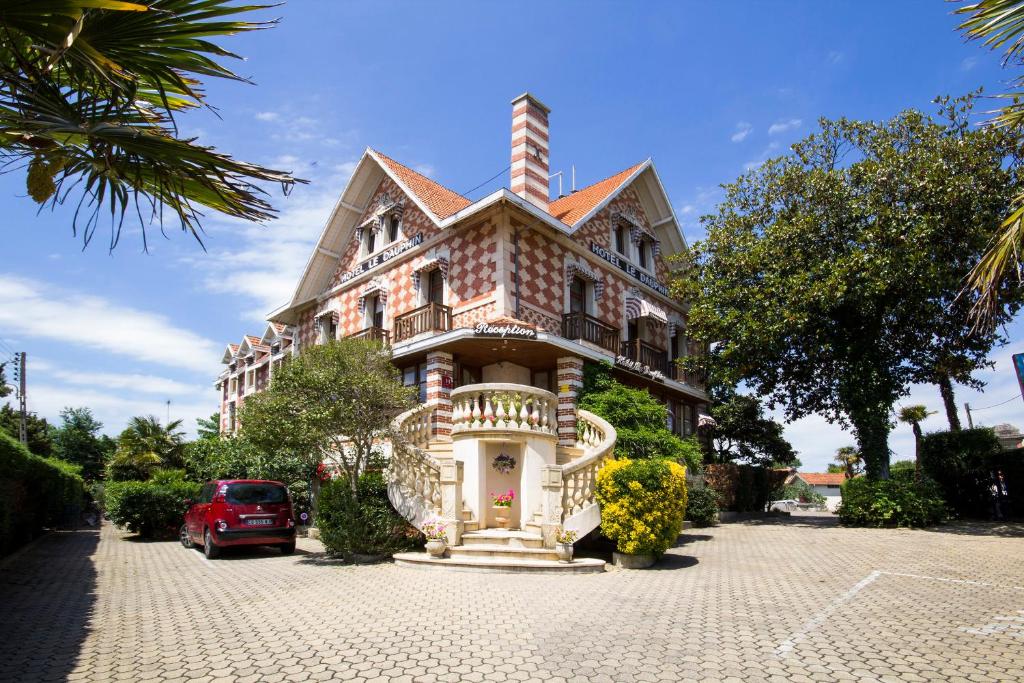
579 478
504 406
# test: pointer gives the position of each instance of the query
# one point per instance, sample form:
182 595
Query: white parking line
961 581
784 649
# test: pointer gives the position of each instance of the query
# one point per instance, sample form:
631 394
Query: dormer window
371 241
620 239
643 254
393 226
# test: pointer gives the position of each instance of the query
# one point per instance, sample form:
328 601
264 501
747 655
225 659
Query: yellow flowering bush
643 503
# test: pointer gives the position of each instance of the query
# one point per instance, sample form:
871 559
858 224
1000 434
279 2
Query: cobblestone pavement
794 600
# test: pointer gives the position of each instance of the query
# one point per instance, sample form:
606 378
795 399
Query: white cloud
425 169
267 116
36 309
968 63
783 126
743 129
147 384
762 157
835 57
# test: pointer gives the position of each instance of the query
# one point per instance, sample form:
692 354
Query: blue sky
705 88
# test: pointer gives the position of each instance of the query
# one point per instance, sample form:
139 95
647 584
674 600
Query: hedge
962 463
366 524
899 501
35 493
154 508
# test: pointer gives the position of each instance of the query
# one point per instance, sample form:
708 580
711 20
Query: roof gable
439 201
572 208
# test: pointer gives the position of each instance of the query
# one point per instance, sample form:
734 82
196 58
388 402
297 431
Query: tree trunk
917 451
949 400
872 431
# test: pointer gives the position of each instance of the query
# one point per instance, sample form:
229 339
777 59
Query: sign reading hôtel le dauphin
383 257
628 268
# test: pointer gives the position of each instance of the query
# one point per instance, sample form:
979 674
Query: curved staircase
425 484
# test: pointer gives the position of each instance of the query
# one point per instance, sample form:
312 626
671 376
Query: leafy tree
77 440
913 416
329 405
850 461
146 445
5 388
841 469
828 276
208 427
89 91
641 423
37 430
742 432
799 490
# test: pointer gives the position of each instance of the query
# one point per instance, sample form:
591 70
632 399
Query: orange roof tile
439 199
252 340
575 206
822 478
278 327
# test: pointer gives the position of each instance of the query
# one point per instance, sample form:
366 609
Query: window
543 379
688 419
632 330
371 240
374 312
435 287
620 239
416 376
255 494
641 254
467 375
393 229
577 295
671 421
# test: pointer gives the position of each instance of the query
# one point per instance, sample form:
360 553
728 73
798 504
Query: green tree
77 441
146 445
208 427
37 430
89 92
827 277
850 461
742 432
913 416
833 468
641 422
329 405
5 388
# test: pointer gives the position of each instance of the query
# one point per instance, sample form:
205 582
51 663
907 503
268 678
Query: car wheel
288 548
210 548
185 539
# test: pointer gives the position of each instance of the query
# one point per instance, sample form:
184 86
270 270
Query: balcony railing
647 354
694 379
373 334
504 407
585 327
430 318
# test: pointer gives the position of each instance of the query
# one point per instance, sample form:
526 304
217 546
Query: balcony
584 327
689 377
430 318
378 334
508 407
649 355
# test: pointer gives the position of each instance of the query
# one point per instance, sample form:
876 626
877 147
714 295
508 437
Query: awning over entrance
638 307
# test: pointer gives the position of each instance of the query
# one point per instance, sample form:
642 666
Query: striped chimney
530 149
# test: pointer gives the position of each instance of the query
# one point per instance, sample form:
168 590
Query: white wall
506 372
832 496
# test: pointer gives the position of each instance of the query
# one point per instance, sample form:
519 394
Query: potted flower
502 503
437 538
563 545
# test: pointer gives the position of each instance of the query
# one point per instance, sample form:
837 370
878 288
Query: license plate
259 522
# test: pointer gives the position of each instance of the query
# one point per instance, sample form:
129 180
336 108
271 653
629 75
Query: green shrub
799 490
702 506
153 508
891 502
643 503
35 493
363 524
962 463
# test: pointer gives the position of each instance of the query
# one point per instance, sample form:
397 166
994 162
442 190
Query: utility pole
168 411
970 422
22 404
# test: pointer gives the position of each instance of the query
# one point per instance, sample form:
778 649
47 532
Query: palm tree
145 445
849 458
914 415
89 90
999 24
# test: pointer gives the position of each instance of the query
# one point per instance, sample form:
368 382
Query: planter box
624 561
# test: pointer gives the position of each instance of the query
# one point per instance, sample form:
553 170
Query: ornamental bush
891 502
154 508
643 503
364 522
35 493
702 506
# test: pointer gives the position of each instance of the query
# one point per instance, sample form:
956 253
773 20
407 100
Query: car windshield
252 494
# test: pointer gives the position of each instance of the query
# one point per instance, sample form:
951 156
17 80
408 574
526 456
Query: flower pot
564 552
629 561
436 547
502 515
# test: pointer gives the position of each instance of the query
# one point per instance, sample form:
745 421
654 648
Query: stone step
583 565
504 551
533 528
467 514
503 537
470 525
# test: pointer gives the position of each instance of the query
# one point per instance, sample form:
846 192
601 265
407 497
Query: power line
488 180
1012 398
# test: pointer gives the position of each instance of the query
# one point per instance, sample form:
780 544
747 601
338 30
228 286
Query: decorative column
440 380
451 499
570 381
551 503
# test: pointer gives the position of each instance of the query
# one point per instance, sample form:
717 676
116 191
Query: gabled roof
274 331
571 208
822 478
229 353
441 201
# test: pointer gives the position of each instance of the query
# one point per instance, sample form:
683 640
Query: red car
240 512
